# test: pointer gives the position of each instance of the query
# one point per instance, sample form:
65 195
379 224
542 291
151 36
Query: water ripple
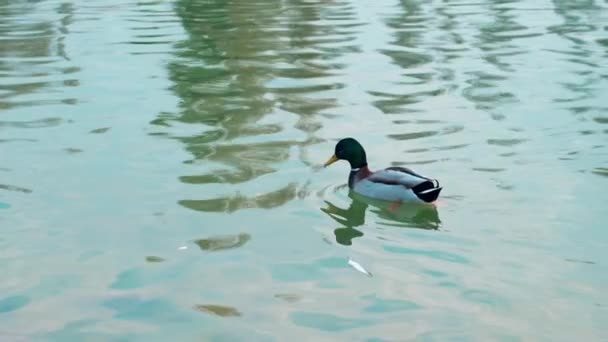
215 114
34 64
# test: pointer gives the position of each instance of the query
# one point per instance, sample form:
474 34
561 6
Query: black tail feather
428 191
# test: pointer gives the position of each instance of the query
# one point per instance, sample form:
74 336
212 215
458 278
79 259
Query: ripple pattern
161 169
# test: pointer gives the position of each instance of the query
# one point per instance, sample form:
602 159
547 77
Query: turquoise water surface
160 170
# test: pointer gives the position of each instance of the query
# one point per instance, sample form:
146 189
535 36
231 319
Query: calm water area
161 179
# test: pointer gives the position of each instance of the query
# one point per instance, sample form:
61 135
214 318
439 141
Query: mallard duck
395 184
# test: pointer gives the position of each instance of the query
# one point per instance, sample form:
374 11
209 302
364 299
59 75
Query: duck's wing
425 188
400 176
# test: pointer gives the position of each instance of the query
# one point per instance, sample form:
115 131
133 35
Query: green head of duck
350 150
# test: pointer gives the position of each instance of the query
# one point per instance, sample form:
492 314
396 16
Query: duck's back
398 184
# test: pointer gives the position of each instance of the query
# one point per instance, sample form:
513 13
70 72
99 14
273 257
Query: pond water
160 170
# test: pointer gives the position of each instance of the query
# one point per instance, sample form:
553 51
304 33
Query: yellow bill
330 161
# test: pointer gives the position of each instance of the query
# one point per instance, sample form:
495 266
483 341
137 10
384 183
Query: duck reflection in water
422 216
